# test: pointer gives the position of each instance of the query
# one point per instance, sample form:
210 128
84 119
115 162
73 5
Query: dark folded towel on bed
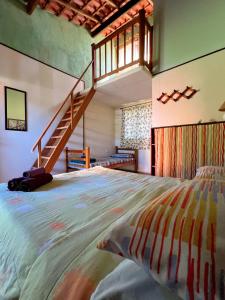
30 184
13 184
34 172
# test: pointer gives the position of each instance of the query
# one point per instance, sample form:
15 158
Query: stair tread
66 119
62 127
45 157
69 112
77 103
51 147
56 136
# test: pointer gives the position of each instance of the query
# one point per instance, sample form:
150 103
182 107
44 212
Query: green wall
45 37
184 30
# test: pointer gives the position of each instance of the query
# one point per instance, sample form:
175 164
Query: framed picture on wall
15 109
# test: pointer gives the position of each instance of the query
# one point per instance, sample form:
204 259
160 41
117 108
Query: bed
48 237
81 159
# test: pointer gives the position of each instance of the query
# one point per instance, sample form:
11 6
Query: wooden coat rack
177 95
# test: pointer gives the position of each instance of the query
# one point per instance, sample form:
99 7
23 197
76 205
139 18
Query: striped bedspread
48 237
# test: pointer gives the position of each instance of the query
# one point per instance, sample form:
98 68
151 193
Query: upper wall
184 30
44 37
206 75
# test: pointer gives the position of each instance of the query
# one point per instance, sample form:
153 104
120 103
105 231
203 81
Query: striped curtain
179 151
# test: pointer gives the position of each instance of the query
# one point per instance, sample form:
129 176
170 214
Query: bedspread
48 237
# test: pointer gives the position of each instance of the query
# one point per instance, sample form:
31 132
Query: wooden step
62 127
56 137
80 97
69 111
77 103
66 119
45 157
50 147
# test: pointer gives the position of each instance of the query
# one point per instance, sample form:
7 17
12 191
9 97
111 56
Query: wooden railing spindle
124 41
105 59
93 52
71 112
39 154
141 36
117 51
132 43
151 48
100 62
111 55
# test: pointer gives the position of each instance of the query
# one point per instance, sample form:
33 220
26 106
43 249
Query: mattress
103 162
48 237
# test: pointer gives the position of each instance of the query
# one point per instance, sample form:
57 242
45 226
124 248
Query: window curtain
136 126
181 150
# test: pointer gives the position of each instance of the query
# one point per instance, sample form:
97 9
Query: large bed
48 237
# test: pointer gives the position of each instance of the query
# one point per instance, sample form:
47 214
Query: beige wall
99 133
46 88
207 75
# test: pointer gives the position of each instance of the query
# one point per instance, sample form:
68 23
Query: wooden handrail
61 106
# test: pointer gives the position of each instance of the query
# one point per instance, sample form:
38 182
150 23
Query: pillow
129 282
211 172
178 238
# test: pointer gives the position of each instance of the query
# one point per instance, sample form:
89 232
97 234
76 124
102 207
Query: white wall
46 88
207 75
99 133
144 157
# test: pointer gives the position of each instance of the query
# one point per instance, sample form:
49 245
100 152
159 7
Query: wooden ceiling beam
113 3
114 17
31 5
96 12
77 10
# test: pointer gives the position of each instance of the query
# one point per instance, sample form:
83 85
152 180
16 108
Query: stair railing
70 97
129 45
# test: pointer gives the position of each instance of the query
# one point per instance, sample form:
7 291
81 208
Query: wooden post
39 154
93 50
71 112
67 161
151 48
141 36
116 149
87 157
136 160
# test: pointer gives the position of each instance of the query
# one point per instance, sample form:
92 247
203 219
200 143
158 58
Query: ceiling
96 16
125 87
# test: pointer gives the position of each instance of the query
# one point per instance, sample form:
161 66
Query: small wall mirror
15 109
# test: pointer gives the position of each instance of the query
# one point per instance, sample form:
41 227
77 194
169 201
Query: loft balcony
122 63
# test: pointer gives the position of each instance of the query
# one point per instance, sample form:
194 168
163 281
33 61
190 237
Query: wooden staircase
102 66
49 154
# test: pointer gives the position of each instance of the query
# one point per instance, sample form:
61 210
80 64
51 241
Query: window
136 126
